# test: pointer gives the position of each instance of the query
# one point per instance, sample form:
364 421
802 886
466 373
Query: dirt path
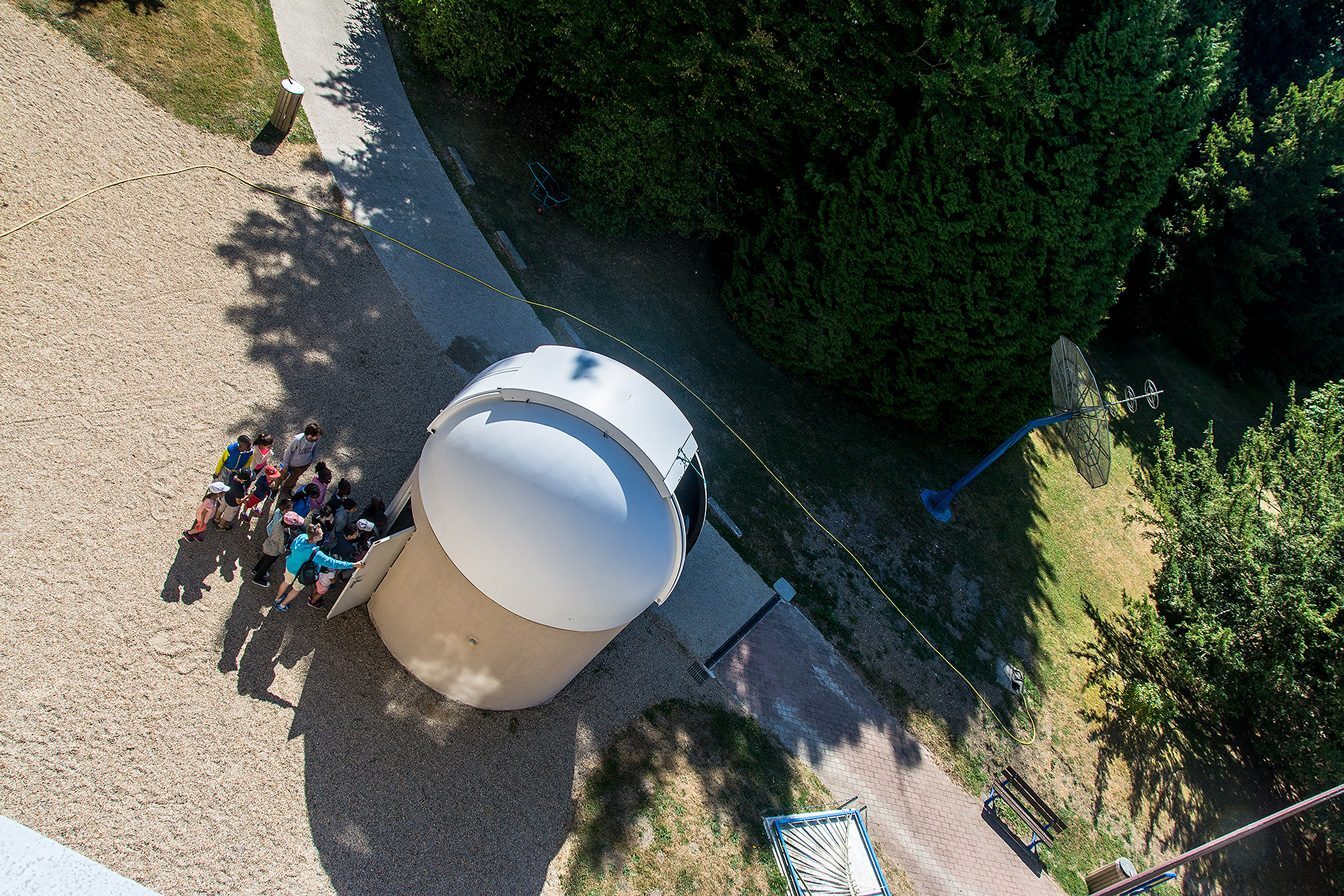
152 717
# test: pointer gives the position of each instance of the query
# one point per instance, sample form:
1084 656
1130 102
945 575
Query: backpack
307 573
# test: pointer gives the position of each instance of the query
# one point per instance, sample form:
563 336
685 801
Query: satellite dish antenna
1085 420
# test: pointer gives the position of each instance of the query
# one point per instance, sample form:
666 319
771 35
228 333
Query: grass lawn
216 64
676 806
1031 554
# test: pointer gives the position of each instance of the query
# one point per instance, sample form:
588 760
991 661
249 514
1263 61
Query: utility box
287 105
1109 874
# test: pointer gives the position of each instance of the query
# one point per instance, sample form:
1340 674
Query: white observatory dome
551 483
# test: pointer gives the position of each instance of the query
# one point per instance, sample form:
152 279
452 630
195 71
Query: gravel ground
154 716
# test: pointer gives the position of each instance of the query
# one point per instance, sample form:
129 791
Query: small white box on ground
785 591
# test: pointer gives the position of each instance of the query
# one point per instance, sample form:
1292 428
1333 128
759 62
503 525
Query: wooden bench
1026 805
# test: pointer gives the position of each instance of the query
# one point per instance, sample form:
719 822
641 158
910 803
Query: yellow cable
574 317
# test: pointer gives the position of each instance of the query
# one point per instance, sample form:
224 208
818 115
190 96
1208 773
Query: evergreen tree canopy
1249 628
937 271
1241 261
1251 237
920 198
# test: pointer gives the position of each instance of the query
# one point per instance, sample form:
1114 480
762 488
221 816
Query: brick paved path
794 683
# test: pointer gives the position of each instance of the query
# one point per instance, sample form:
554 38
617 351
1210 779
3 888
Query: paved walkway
392 180
784 672
795 684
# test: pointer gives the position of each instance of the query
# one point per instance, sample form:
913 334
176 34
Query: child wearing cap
266 480
376 513
274 545
365 528
204 511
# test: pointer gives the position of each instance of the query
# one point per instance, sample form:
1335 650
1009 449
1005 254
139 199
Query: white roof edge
485 381
602 425
629 407
613 397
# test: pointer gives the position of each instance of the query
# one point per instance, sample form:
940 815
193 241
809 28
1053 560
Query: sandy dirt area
154 716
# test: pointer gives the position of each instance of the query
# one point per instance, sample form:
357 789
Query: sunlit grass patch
216 64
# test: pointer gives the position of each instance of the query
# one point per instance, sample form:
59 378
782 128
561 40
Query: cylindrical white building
555 500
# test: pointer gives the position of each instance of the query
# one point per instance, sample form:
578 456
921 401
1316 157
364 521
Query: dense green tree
935 275
921 197
1241 260
672 121
687 115
483 48
1244 262
1249 624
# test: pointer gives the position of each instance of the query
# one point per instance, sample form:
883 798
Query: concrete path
794 683
392 181
717 593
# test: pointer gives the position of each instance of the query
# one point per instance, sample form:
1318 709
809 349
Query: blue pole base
938 504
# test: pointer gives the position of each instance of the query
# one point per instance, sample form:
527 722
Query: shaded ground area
156 718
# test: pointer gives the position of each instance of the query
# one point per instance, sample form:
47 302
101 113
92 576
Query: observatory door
377 562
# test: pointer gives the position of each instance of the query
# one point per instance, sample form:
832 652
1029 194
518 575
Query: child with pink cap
273 548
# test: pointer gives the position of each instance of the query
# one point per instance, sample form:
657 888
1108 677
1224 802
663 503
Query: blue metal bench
1026 805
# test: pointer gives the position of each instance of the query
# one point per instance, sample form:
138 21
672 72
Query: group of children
319 529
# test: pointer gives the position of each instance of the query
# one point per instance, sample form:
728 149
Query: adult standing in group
299 456
302 549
